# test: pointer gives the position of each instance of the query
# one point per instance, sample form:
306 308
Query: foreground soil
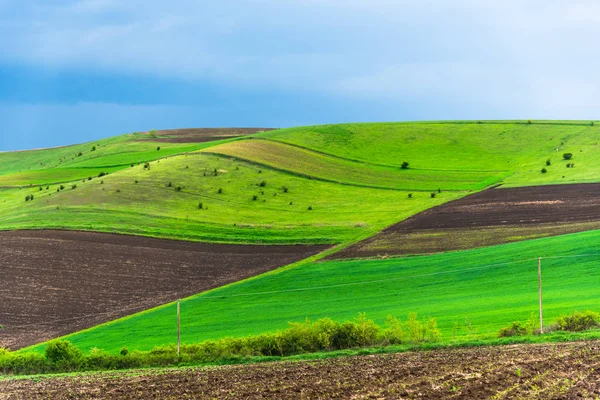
57 282
490 217
201 135
557 371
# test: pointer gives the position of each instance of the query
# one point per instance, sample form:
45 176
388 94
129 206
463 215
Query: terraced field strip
557 371
56 282
335 169
471 293
199 135
490 217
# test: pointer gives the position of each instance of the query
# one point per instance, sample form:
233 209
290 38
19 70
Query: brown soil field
486 218
200 135
57 282
551 371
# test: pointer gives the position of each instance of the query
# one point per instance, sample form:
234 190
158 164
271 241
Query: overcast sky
77 70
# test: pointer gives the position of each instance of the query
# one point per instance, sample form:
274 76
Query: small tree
93 148
404 165
544 170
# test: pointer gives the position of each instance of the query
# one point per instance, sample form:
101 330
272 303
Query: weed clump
578 321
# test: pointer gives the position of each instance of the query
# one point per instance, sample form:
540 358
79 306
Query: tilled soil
489 217
57 282
554 371
200 135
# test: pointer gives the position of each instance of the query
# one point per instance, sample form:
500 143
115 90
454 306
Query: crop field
471 293
342 185
200 135
54 283
334 169
557 371
490 217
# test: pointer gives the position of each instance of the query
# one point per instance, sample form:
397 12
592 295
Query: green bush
514 329
578 321
404 165
548 162
544 170
567 156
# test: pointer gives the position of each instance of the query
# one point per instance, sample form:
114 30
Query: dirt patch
200 135
490 217
560 371
57 282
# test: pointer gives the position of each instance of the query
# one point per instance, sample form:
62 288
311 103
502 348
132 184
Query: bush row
574 322
299 338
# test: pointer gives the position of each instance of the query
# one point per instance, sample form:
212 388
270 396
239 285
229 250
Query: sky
77 70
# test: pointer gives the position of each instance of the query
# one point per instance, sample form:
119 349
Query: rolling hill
338 185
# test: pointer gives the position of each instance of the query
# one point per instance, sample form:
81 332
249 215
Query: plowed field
561 371
490 217
201 135
57 282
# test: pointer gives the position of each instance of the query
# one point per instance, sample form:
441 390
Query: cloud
472 51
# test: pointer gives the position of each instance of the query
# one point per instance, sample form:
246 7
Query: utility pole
178 327
540 294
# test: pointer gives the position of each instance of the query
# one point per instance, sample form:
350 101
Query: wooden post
540 294
178 327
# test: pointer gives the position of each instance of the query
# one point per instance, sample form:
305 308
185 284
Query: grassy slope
483 289
335 169
151 207
515 147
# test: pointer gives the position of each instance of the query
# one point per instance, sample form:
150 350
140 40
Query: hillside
341 185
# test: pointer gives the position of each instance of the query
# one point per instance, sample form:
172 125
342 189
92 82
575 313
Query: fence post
540 294
178 327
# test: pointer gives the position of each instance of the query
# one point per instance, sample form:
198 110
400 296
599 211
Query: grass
472 294
334 169
514 148
280 213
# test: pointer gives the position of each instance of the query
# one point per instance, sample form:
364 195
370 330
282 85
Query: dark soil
489 217
558 371
200 135
57 282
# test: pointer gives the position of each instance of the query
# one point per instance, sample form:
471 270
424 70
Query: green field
332 184
470 293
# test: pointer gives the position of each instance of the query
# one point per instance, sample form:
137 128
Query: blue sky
77 70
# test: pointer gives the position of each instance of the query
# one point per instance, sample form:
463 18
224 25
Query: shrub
285 189
79 154
255 197
62 187
432 195
101 174
158 148
548 162
263 184
578 321
41 189
200 205
73 187
404 165
220 191
567 156
410 195
124 351
514 329
309 208
529 121
178 188
544 170
146 165
93 148
170 184
62 351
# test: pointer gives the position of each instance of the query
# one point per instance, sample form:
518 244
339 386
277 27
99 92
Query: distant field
486 218
470 293
334 169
